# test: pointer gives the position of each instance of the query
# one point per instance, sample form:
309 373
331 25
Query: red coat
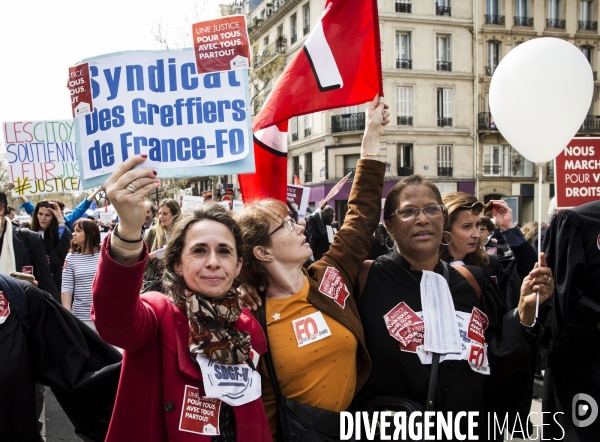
156 363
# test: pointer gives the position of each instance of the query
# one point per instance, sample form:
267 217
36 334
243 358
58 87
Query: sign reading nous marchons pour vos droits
155 103
577 173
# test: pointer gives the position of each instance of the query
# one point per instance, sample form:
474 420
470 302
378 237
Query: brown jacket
347 253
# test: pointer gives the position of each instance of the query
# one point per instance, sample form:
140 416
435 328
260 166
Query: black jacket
56 250
52 347
29 251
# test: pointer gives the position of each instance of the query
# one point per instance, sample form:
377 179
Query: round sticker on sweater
233 384
4 308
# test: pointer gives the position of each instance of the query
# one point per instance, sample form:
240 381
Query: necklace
276 315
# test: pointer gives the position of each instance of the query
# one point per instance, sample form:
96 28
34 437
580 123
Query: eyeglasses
474 208
290 224
408 213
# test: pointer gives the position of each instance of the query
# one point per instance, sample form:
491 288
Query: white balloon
539 96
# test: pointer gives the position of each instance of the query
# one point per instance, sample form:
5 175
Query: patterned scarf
211 332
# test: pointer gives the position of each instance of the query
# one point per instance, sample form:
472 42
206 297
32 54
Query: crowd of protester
187 296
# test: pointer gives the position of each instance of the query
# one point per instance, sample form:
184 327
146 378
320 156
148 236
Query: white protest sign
190 202
154 103
106 217
41 157
298 197
238 205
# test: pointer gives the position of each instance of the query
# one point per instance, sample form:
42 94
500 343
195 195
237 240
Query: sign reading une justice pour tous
155 103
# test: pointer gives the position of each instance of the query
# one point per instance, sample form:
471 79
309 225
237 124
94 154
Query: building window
294 28
403 6
350 162
266 41
493 14
443 53
586 16
294 128
307 125
555 15
523 14
444 107
444 160
404 106
295 167
308 167
403 51
493 57
405 159
503 160
442 7
306 15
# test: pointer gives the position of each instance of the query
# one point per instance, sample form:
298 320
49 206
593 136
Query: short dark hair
10 209
393 197
173 284
487 223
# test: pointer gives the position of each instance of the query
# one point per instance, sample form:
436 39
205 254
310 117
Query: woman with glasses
440 334
316 341
462 243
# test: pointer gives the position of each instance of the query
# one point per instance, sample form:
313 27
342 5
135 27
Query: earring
386 242
270 258
451 238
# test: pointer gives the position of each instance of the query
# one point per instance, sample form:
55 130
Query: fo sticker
310 328
4 308
199 414
332 285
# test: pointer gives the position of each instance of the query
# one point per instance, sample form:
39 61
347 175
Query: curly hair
173 284
255 222
455 203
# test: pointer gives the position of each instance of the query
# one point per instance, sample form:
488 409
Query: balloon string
537 299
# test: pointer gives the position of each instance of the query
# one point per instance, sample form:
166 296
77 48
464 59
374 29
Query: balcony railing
588 25
591 124
485 121
489 70
444 171
307 131
524 21
553 23
347 122
444 122
491 169
294 38
403 63
443 10
405 171
403 7
494 19
295 136
306 29
279 46
348 170
308 177
444 66
405 121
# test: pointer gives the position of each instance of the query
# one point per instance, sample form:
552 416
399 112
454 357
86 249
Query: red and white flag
339 65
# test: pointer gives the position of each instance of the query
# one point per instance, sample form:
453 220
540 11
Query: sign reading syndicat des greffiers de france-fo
155 103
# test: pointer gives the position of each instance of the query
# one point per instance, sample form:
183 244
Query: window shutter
447 103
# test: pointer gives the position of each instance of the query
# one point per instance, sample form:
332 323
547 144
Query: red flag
297 180
339 65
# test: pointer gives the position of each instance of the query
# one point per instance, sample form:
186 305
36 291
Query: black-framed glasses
408 213
290 224
475 208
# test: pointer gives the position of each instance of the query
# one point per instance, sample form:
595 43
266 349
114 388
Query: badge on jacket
199 414
332 286
4 308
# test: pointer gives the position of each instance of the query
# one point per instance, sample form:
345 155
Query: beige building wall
509 29
329 149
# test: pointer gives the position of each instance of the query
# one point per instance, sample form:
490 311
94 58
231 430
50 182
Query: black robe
61 352
572 246
401 374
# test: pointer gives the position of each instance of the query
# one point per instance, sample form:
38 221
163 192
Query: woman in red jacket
190 356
